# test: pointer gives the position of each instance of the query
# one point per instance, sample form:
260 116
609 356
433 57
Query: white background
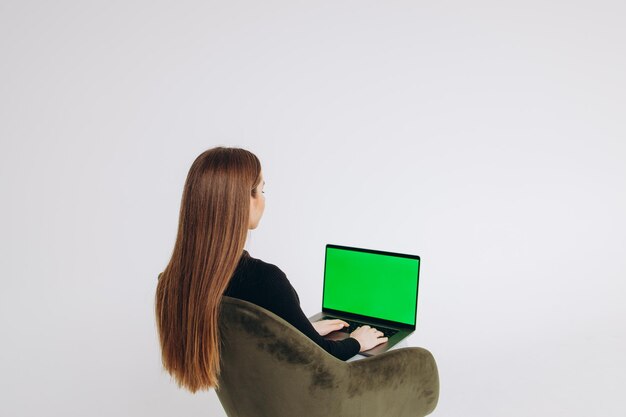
488 137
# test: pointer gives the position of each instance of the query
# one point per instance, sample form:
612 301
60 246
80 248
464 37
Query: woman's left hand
324 327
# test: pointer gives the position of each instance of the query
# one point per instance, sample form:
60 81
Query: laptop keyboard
354 324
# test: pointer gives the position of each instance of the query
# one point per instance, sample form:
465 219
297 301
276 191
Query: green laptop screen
375 285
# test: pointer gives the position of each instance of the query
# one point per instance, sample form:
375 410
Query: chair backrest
270 368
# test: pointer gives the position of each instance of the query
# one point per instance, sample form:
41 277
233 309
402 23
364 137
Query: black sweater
267 286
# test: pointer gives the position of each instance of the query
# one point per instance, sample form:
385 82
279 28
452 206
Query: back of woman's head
212 230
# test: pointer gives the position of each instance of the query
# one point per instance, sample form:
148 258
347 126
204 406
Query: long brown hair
212 230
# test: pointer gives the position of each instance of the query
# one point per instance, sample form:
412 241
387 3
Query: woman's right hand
368 337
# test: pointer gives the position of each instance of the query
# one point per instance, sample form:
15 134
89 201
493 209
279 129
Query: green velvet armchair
269 368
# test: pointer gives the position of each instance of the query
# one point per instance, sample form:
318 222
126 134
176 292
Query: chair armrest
400 382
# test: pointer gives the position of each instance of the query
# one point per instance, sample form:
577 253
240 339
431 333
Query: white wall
487 137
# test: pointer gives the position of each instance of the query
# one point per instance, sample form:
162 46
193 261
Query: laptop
373 287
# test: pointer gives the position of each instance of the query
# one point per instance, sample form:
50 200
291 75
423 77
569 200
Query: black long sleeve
267 286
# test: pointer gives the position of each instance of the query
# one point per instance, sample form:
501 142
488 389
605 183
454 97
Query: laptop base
383 347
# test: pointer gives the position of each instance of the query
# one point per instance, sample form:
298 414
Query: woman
223 199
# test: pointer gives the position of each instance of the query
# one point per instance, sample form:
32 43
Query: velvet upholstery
269 368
